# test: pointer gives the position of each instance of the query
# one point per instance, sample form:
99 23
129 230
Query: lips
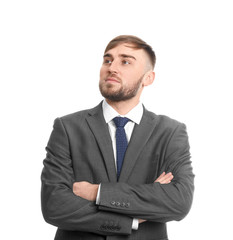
112 79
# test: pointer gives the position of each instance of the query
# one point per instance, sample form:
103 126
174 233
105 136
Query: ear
148 78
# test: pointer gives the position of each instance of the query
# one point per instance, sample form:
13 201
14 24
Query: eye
107 61
125 62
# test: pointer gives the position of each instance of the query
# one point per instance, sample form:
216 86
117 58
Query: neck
123 107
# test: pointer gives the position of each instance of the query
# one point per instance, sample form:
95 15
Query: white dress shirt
135 115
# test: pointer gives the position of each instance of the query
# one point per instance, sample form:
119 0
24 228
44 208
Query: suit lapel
140 136
101 132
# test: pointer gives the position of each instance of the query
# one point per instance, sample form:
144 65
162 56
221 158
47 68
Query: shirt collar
134 114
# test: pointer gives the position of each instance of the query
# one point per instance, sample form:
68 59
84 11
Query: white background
50 55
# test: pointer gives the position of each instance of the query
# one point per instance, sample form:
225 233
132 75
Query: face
122 74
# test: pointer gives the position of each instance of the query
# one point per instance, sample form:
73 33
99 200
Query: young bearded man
118 171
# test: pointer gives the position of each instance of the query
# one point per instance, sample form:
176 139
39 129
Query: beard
122 94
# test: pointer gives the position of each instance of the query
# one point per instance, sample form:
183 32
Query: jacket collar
139 138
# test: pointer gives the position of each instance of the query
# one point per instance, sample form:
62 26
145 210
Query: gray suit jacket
80 149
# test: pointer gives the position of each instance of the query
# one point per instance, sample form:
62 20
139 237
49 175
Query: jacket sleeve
60 206
155 201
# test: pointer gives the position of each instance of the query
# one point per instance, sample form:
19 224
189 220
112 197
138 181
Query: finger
160 177
163 176
74 186
167 178
78 186
141 220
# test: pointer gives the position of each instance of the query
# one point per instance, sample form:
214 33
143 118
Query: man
117 171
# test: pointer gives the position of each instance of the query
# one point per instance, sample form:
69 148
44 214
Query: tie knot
120 121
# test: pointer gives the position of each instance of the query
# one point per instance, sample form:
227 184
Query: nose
113 67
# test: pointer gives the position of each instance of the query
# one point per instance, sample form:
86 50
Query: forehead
127 49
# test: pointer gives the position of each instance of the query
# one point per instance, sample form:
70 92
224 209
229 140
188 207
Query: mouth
112 79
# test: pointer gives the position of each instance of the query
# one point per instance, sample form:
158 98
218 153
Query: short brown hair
137 44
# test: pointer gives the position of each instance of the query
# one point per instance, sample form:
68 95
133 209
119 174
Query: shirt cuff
98 195
135 224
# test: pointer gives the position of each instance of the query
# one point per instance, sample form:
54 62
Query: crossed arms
89 191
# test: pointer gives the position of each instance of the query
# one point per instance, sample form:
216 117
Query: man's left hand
86 190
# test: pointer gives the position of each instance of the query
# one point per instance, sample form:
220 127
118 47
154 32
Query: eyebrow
121 55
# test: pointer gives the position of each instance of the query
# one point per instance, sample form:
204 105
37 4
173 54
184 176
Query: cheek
131 77
102 71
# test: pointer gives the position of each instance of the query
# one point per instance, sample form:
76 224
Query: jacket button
113 203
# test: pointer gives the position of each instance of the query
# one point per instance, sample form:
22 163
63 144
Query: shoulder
168 129
80 116
163 121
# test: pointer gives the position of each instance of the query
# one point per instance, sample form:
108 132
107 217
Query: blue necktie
121 141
